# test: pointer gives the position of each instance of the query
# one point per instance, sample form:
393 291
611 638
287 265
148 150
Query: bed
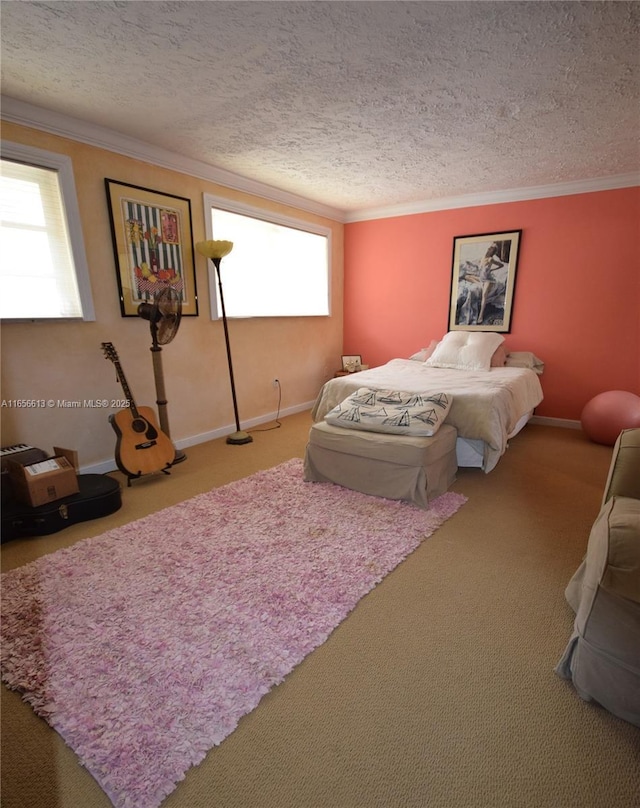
489 405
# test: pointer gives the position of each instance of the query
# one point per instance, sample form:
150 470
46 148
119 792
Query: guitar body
141 446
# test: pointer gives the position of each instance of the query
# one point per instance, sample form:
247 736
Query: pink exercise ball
606 415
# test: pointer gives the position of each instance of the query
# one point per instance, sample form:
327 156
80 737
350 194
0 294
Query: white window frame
231 206
61 163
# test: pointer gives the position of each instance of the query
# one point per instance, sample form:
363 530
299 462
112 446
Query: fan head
163 315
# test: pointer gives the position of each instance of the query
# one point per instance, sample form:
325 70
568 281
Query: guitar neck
110 353
125 387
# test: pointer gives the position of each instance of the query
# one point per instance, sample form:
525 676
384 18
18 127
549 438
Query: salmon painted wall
577 292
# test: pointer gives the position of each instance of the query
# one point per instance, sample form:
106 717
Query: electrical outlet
275 384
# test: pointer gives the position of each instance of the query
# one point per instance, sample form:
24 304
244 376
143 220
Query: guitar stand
130 477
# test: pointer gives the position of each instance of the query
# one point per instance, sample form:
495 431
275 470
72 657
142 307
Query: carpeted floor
437 690
144 646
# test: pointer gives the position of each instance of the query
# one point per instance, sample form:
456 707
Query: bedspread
486 404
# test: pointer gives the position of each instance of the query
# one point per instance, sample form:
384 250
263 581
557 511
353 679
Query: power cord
277 418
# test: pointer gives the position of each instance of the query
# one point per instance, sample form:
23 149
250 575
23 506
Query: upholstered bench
416 469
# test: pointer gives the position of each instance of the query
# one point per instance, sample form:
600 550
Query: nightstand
339 373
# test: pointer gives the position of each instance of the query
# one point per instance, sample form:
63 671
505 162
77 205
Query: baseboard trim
566 423
106 466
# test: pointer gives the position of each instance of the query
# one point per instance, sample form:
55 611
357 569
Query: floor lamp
215 252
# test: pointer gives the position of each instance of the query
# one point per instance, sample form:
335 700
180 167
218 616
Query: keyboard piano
17 447
22 453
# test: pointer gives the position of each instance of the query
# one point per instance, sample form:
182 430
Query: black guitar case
99 495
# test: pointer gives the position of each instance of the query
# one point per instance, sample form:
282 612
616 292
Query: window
279 266
43 268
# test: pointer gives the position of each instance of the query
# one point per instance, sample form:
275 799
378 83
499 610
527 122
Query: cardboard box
43 482
70 454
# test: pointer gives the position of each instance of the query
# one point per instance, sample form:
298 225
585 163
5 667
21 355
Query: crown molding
56 123
497 197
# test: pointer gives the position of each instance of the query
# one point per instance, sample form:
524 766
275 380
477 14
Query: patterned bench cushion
392 411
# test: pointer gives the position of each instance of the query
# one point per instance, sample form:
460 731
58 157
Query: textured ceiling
351 104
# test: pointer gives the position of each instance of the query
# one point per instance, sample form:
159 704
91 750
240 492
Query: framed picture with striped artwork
153 246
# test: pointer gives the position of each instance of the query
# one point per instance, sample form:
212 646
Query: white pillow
391 411
465 350
424 353
525 359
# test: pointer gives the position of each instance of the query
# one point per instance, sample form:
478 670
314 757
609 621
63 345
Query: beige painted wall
64 360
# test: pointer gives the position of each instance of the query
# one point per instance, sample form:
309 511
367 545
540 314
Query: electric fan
164 315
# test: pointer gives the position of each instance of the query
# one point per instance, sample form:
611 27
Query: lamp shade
214 249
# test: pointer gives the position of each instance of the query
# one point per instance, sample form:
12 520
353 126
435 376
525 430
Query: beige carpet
438 690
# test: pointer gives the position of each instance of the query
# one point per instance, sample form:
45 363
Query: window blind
37 269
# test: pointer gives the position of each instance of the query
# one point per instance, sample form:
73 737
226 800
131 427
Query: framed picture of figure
483 279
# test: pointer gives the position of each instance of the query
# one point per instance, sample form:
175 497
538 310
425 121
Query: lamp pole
239 436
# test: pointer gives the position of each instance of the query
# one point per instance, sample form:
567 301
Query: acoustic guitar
141 446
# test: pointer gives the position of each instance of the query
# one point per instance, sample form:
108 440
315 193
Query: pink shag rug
143 647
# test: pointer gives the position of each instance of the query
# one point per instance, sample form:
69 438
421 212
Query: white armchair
602 658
